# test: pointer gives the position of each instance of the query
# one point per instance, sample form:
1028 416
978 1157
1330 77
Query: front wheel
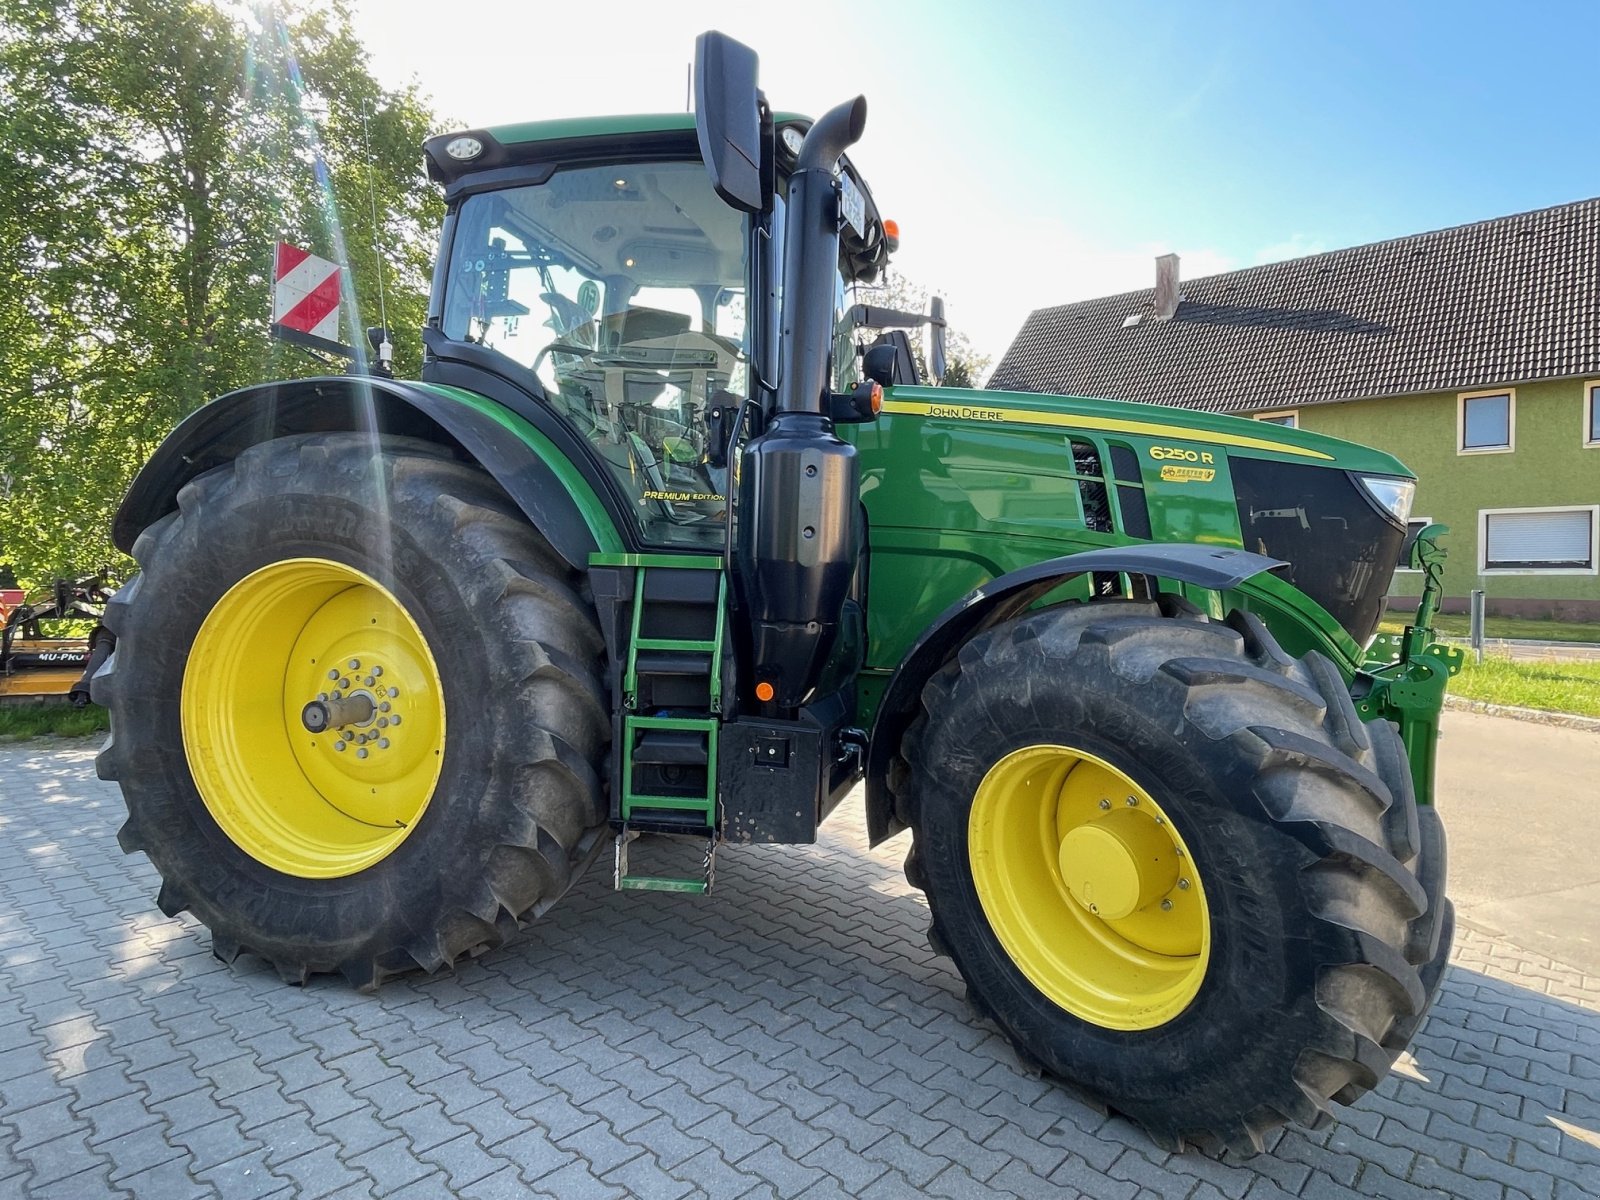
1174 866
356 708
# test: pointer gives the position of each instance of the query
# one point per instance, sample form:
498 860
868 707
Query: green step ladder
636 726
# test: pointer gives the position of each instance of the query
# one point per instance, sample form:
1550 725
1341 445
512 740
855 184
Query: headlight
463 148
1392 495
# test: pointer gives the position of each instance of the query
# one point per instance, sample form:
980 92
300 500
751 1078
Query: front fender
1008 596
547 485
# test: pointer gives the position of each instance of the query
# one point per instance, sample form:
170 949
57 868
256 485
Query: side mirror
889 360
937 359
727 119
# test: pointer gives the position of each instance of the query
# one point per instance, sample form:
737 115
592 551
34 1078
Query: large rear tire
459 796
1174 866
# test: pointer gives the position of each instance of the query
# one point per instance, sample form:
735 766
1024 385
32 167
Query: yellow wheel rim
313 804
1089 887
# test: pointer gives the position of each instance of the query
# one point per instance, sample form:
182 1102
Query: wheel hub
1118 864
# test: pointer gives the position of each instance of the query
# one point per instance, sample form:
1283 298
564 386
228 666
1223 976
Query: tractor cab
604 275
620 289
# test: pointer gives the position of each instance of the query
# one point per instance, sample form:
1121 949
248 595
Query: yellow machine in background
42 654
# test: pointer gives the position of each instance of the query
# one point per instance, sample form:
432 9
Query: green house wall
1549 466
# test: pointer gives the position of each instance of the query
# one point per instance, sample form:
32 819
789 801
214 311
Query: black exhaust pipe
798 483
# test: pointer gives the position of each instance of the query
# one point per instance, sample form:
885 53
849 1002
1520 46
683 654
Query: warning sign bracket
310 341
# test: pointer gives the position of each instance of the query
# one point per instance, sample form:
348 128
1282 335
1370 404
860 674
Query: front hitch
1406 675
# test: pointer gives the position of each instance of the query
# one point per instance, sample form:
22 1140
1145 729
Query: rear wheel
1174 866
356 709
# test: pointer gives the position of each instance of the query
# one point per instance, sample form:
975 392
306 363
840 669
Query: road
1521 803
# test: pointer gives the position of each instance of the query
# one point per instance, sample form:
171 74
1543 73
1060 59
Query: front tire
1167 860
460 797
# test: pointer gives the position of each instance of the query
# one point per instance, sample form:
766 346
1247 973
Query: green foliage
19 721
157 149
1459 625
1570 687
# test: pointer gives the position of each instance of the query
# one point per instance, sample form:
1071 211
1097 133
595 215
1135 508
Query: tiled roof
1504 301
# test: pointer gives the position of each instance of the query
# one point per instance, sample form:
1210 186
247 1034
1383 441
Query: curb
1537 716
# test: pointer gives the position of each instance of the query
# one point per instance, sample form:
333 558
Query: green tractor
668 539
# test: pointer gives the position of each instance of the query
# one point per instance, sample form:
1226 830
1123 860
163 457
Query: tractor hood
1238 435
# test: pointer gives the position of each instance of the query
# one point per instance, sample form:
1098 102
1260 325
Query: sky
1038 153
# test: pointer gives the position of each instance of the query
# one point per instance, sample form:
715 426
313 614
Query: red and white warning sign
305 293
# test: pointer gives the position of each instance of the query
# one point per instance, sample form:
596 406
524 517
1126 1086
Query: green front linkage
1409 688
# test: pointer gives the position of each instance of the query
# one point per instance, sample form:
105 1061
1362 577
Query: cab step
699 885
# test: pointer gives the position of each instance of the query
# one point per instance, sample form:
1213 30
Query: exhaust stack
799 484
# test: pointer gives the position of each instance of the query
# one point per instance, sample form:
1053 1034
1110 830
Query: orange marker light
891 229
764 691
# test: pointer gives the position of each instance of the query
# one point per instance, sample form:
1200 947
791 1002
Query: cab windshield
622 288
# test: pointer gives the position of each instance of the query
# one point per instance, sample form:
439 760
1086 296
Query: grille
1340 547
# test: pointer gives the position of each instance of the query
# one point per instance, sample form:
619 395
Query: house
1472 354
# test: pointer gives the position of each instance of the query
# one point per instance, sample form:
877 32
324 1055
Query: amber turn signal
764 691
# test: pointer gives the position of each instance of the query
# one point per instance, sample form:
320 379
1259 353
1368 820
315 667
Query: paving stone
533 1153
393 1166
789 1035
320 1173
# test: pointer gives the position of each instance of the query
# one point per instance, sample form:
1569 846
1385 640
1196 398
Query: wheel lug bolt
333 674
383 743
382 722
370 681
393 692
355 664
1104 804
1166 906
361 753
384 707
338 745
376 671
322 695
1132 801
1183 885
344 684
394 720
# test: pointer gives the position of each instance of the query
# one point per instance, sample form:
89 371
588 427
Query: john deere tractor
669 539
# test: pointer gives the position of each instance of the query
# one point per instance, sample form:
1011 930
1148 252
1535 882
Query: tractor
670 539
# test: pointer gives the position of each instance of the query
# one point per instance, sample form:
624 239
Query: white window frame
1293 413
1511 421
1426 521
1594 541
1590 388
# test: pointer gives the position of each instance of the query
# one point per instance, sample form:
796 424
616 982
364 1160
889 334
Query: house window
1486 422
1591 414
1538 541
1289 417
1413 527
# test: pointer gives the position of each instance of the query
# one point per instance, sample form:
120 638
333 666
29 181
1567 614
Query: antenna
384 348
688 87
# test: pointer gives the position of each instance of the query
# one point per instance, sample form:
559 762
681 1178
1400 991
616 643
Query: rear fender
545 484
1008 596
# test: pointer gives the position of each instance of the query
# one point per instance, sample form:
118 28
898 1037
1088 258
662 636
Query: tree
143 193
964 366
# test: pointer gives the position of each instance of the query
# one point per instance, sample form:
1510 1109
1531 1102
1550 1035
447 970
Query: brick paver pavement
790 1035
